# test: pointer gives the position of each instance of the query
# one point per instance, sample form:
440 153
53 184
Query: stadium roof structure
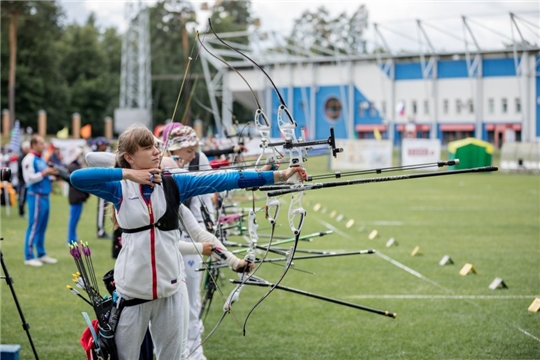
479 36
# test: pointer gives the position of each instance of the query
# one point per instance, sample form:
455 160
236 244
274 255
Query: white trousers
168 320
195 328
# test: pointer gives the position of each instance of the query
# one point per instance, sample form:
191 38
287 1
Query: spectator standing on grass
101 144
38 177
56 159
75 196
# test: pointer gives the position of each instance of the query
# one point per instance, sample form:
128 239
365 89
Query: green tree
59 69
233 16
171 46
39 84
321 33
91 69
112 46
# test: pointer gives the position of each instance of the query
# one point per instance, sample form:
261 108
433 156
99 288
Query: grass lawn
491 221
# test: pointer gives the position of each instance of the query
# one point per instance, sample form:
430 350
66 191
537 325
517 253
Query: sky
489 20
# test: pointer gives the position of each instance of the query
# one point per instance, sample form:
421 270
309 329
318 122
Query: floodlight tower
135 78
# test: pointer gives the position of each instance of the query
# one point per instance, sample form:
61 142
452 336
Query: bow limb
296 212
187 76
272 206
263 126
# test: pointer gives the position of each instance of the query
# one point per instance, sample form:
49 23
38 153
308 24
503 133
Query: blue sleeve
191 185
102 182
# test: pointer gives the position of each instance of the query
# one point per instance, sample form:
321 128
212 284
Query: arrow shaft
285 241
361 252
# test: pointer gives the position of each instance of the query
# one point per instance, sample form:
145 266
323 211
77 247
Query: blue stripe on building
451 69
447 69
409 71
498 67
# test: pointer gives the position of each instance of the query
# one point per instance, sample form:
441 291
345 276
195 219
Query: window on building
491 106
504 105
445 106
426 107
448 136
371 109
518 105
414 107
383 108
332 109
458 106
470 106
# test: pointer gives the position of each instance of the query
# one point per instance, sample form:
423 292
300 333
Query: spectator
75 196
101 144
38 178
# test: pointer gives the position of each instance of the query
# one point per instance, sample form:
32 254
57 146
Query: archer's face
187 154
144 158
39 145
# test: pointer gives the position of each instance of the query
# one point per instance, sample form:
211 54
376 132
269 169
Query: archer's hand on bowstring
144 177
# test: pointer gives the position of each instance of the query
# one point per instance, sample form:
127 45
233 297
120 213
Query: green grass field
488 220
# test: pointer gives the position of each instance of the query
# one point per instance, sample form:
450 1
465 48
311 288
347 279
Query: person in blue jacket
38 177
101 144
150 267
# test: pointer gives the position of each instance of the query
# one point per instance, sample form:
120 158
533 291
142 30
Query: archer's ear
128 158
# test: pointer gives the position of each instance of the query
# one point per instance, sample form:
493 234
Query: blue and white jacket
150 265
36 183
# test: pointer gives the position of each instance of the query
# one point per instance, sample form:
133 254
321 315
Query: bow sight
331 141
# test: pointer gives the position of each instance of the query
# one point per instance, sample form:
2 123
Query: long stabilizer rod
378 179
264 283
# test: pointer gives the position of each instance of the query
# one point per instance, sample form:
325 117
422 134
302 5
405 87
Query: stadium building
493 95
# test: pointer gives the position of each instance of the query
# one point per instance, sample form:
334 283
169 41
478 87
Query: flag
86 131
15 144
63 134
400 108
377 134
47 153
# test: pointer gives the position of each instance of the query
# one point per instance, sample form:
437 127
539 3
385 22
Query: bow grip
296 228
272 210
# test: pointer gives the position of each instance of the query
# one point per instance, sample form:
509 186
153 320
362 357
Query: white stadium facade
492 95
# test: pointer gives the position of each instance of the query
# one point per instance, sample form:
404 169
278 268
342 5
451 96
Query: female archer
150 266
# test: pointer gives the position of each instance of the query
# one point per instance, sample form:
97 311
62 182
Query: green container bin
471 153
